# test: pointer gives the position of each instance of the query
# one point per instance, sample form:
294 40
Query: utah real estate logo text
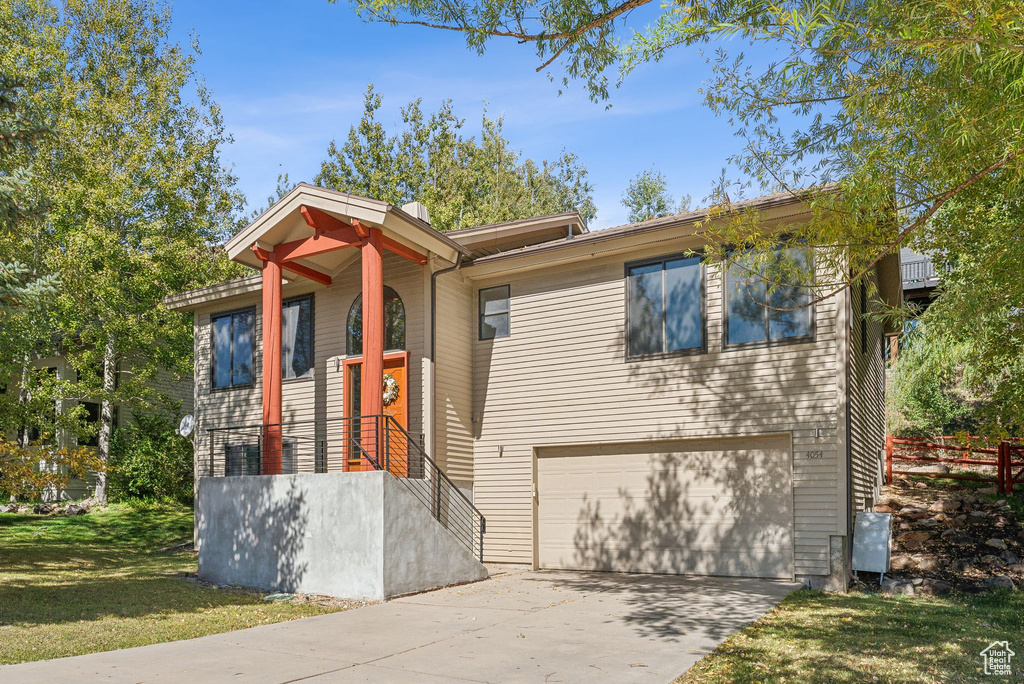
997 658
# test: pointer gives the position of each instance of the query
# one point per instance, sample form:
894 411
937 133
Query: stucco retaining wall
352 535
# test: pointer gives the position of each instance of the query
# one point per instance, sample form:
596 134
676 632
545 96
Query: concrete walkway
517 627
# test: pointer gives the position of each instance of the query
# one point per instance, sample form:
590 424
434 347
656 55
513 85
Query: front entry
396 405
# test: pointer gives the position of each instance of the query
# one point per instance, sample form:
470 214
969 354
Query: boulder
24 509
962 566
893 503
920 536
1010 557
10 508
902 561
996 544
928 523
882 508
999 582
897 587
977 516
992 561
941 517
1016 569
926 562
954 536
946 505
75 509
42 509
988 490
914 513
933 587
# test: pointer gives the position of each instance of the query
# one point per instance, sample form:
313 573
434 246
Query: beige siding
867 403
561 378
453 402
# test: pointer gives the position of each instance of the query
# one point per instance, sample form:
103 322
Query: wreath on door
390 389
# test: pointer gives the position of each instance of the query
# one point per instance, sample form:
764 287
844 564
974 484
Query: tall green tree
461 180
138 199
886 110
647 197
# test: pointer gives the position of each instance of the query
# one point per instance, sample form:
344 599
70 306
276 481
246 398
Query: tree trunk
106 418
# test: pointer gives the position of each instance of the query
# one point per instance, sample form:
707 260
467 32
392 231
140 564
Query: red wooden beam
361 230
406 252
328 241
311 273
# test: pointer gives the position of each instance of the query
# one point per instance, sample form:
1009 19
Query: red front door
393 451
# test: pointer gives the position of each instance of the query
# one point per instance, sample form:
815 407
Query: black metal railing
348 444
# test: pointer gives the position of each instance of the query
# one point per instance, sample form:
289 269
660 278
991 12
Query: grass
74 585
818 637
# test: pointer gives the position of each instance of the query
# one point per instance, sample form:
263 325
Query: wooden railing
1006 459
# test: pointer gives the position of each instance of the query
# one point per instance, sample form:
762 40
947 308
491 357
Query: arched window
394 324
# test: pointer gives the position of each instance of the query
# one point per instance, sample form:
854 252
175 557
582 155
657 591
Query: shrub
151 461
29 472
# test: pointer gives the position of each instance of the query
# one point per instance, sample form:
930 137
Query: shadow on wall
252 532
679 510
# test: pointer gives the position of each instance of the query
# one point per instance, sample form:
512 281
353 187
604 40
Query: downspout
432 452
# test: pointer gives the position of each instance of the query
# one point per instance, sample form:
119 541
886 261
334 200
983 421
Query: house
177 391
591 400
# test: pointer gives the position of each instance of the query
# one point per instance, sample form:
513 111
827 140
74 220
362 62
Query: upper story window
232 352
394 324
665 306
757 313
494 312
297 337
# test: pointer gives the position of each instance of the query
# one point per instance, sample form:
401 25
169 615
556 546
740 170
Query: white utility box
872 542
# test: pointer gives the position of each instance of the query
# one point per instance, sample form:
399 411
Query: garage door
706 507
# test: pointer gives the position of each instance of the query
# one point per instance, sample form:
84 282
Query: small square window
494 312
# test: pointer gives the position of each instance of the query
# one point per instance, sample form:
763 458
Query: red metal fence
1005 458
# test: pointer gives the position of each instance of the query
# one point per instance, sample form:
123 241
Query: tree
138 200
647 197
461 181
884 110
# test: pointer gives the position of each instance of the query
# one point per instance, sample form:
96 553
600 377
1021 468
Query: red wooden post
372 396
1008 466
1001 468
271 366
888 460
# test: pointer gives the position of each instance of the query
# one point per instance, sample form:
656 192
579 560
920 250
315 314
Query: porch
355 508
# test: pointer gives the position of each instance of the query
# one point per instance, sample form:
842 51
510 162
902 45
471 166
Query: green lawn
77 585
817 637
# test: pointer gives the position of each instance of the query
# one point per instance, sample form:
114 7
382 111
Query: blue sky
290 76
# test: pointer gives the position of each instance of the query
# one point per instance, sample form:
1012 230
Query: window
394 324
754 315
494 312
665 306
297 337
92 417
232 349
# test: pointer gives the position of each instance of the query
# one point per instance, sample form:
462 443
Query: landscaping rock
988 490
992 561
882 508
933 587
902 561
23 509
926 562
11 508
946 505
75 509
914 513
1010 557
915 536
42 509
954 536
977 516
928 523
996 544
893 503
1016 569
999 582
962 566
898 587
941 517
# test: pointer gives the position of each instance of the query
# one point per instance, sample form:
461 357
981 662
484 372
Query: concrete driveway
516 627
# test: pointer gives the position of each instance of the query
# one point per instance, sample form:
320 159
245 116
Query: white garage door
706 507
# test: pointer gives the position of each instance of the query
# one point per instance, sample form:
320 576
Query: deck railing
347 445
